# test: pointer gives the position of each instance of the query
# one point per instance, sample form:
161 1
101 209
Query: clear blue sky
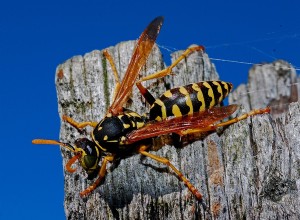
35 36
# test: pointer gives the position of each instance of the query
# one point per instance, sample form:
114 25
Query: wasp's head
85 151
88 154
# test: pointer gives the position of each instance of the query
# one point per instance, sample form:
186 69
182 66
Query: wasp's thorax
110 133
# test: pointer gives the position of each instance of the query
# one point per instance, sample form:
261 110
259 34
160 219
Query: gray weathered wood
249 170
263 156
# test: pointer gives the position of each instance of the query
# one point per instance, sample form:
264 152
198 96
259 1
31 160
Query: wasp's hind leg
191 187
167 71
226 123
244 116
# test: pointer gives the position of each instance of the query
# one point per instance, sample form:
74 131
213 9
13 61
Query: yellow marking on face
168 94
105 137
82 161
108 115
99 128
219 91
176 111
96 164
210 94
163 108
199 96
80 150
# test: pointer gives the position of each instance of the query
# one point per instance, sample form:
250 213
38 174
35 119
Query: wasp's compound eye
86 145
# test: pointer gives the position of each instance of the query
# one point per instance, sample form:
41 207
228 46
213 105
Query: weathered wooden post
248 170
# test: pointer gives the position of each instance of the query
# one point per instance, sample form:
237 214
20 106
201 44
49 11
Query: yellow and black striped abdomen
188 99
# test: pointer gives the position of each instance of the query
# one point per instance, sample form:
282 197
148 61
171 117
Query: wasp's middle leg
191 187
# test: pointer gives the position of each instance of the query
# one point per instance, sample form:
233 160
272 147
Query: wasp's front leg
101 175
79 125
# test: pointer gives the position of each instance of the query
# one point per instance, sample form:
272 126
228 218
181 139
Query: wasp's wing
138 60
200 120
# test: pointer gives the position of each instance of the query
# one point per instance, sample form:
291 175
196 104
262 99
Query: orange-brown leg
244 116
226 123
79 125
115 72
101 175
149 98
168 70
71 162
197 194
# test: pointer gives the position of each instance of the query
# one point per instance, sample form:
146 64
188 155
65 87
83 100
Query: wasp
185 110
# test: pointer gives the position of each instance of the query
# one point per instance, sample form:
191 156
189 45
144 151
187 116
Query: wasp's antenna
43 141
65 145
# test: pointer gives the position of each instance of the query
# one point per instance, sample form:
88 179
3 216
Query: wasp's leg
244 116
147 95
101 175
115 72
196 193
79 125
226 123
71 162
168 70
